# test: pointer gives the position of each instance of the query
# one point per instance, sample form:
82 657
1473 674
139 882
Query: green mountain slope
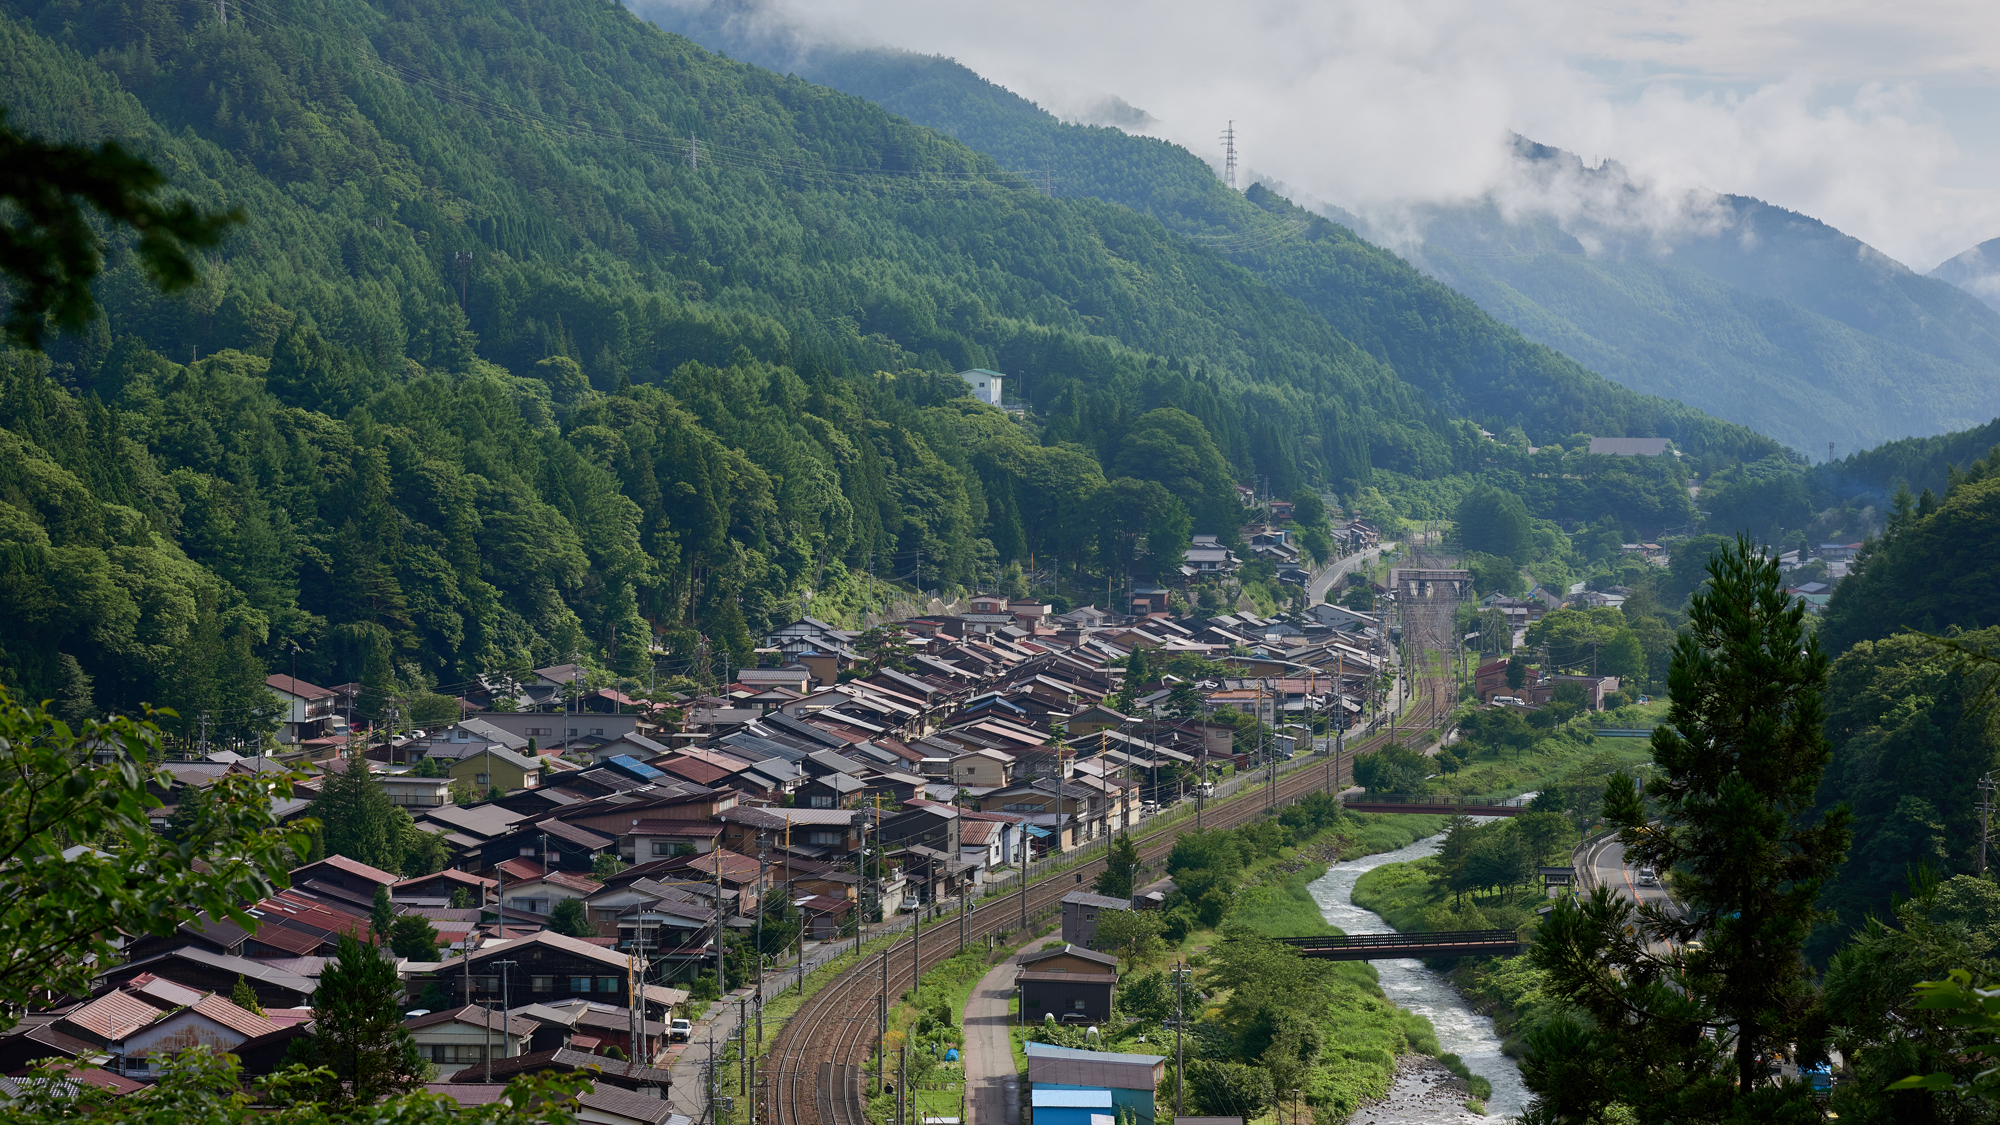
1437 340
550 334
1779 322
682 396
1977 271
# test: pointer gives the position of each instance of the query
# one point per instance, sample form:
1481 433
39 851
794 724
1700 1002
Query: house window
541 984
1076 1005
663 847
823 837
821 801
579 984
597 730
528 851
607 984
483 778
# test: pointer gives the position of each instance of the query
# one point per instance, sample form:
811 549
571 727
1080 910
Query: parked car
680 1031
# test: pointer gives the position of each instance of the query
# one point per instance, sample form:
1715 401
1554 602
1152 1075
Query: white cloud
1380 103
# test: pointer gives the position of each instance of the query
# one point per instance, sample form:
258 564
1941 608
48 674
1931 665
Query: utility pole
1180 1022
1025 863
721 979
881 1022
1986 787
763 883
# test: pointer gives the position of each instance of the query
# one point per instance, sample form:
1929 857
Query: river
1408 984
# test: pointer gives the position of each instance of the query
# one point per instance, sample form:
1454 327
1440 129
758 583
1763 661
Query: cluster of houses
528 999
981 740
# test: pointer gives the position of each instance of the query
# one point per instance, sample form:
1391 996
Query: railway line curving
813 1072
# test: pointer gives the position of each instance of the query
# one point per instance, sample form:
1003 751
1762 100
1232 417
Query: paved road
1325 576
992 1087
1605 861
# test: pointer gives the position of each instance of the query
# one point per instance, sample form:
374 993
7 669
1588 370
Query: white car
1647 878
679 1031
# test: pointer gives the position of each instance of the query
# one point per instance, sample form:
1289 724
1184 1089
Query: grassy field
1573 758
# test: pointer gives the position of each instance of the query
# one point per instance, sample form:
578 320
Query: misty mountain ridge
1977 271
1749 311
1742 309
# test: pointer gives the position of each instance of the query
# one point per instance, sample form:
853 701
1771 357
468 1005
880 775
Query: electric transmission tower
1229 156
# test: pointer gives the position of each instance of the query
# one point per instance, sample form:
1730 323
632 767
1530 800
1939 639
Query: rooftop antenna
1229 156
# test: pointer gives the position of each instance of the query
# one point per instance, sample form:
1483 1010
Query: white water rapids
1408 984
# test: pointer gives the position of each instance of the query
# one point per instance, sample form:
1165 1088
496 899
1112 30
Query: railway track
813 1074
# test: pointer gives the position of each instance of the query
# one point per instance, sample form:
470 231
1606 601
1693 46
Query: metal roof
1046 1098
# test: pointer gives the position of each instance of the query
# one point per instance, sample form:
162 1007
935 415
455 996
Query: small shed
1131 1079
1079 916
1072 1107
1071 983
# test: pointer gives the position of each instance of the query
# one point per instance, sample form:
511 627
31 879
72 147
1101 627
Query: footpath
992 1086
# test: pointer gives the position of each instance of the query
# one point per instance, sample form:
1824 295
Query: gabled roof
629 1074
474 1014
563 830
1105 959
1085 898
114 1015
354 867
551 940
299 688
239 1020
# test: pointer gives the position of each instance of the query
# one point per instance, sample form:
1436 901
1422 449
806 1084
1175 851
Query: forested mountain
1977 271
1771 319
1755 313
547 332
1463 360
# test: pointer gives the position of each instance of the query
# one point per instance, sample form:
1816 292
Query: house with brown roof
463 1036
1071 983
632 1076
309 709
549 967
150 1017
541 894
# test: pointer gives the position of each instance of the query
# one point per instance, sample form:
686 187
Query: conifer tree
413 936
571 920
1121 860
358 1034
245 997
356 817
383 914
1678 1028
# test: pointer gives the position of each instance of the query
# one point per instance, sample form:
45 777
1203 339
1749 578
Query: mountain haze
1465 361
1764 317
1977 271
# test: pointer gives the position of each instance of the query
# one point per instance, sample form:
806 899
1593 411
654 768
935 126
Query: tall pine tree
356 818
358 1034
1683 1009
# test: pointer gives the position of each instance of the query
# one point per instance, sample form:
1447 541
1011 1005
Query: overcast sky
1881 119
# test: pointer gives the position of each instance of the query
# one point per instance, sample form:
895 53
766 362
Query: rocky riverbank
1425 1093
